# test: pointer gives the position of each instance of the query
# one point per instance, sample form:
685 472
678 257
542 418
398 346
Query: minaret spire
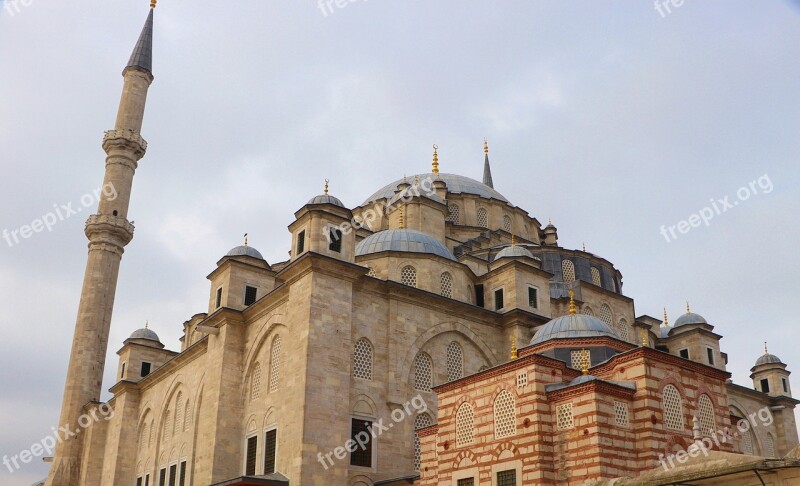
487 169
108 231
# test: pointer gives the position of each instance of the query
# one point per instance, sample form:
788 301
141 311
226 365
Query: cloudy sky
608 117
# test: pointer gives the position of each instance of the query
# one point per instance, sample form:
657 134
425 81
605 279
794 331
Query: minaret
108 232
487 170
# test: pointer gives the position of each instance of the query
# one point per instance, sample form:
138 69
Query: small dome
690 318
403 240
326 199
512 251
583 379
145 333
573 326
245 250
768 359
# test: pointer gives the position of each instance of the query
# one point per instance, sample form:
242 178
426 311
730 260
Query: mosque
436 334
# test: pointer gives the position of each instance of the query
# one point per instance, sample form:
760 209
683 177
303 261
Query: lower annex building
404 306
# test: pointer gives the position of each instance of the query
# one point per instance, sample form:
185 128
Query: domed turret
513 251
770 375
326 198
245 250
145 333
573 325
550 234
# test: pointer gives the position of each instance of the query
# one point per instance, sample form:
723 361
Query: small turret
770 375
550 234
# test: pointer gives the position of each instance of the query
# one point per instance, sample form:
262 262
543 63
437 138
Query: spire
402 219
245 239
584 362
435 164
147 324
326 186
645 340
572 308
666 321
514 348
142 56
513 240
766 352
487 170
688 309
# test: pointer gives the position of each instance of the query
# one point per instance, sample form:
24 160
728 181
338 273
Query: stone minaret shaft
108 232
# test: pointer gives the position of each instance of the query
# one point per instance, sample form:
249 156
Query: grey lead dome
573 326
145 333
768 359
690 318
455 184
402 240
326 199
513 251
245 250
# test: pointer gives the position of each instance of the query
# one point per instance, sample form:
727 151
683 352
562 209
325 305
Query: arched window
255 382
596 276
167 426
150 439
362 359
568 271
747 443
421 421
606 315
464 425
144 437
178 423
705 410
187 416
587 311
623 329
275 364
507 223
673 408
454 215
423 372
455 361
769 446
505 415
408 276
447 285
483 218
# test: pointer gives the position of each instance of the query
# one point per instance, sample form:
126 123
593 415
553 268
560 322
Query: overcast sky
610 118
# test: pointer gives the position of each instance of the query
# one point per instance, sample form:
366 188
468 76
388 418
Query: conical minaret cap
142 56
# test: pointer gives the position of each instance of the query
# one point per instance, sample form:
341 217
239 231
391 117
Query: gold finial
245 239
584 362
153 3
573 309
666 320
435 165
326 186
513 240
549 222
146 324
402 218
584 247
765 348
485 146
513 347
416 180
644 338
688 309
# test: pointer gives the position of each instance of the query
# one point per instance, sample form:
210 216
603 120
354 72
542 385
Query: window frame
761 383
680 353
251 435
218 297
373 444
536 292
255 297
335 245
142 374
183 472
300 242
266 431
710 355
502 298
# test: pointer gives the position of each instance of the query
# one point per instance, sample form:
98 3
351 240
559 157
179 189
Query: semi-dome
573 326
326 199
768 359
690 318
245 250
403 240
145 333
512 251
456 184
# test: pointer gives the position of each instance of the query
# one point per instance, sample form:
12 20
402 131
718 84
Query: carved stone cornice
102 229
127 141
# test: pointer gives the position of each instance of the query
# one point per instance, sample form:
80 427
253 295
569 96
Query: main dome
402 240
456 184
573 326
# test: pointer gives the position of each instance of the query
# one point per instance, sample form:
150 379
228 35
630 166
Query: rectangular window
301 242
577 359
466 482
146 480
270 445
335 240
564 418
785 385
250 294
498 299
507 478
162 477
122 373
250 462
522 379
684 353
138 481
621 414
173 473
182 481
533 297
765 385
145 369
218 301
479 300
362 456
710 353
